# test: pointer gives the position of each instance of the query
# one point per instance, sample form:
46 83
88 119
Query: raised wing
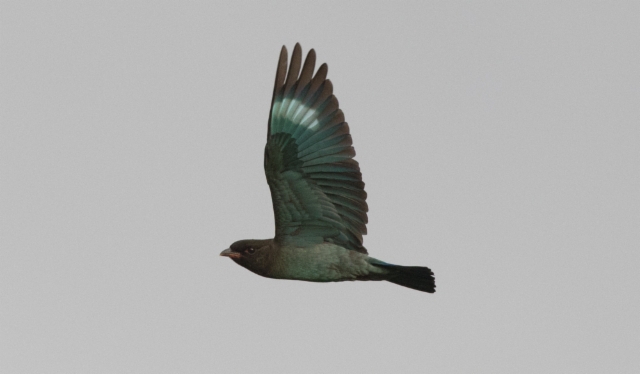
316 185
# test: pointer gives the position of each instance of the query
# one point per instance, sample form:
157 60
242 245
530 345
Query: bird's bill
228 253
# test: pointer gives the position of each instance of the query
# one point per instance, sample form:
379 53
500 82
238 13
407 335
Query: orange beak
228 253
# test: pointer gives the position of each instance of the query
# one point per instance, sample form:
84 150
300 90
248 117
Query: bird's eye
250 251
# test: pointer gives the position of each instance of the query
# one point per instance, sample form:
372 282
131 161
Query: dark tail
416 277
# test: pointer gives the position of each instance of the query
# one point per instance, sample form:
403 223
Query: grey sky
499 144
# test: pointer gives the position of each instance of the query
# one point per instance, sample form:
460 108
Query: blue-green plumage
317 191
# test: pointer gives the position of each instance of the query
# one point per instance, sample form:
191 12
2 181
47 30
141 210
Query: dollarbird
318 196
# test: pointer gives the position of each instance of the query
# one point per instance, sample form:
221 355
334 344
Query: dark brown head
252 254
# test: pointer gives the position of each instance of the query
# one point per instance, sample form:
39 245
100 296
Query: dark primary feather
316 185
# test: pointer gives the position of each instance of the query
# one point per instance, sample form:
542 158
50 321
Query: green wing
316 185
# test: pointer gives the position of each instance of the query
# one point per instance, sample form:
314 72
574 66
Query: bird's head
250 253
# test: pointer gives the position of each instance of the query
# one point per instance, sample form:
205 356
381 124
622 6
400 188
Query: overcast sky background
499 143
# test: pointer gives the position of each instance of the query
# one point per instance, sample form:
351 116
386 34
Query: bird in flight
317 190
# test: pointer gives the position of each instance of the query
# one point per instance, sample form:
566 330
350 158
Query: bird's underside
316 187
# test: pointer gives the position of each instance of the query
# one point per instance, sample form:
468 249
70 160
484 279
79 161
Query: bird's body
325 262
317 190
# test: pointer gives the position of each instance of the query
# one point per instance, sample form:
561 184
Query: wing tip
324 68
